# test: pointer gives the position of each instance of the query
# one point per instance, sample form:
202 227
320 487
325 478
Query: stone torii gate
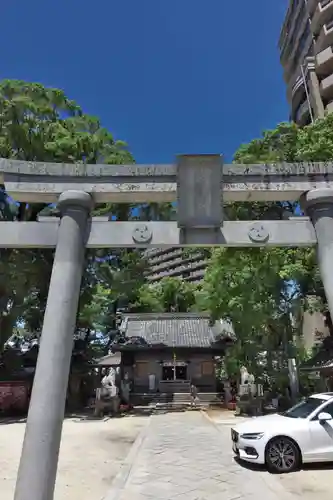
200 184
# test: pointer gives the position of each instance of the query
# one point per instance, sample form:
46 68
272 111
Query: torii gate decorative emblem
198 183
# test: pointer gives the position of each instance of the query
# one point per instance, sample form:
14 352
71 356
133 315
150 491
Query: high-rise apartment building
306 53
175 262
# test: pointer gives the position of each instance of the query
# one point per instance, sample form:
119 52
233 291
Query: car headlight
252 435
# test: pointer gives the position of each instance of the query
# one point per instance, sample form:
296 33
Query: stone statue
247 384
244 375
107 394
109 388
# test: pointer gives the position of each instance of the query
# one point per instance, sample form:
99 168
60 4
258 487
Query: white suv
283 441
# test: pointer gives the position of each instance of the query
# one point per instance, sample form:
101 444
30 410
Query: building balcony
184 271
302 116
297 94
164 257
297 89
322 15
312 5
295 84
297 58
324 62
196 275
329 107
326 88
299 84
153 252
164 266
325 37
296 17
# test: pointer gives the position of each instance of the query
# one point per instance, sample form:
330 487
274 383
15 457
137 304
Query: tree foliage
263 290
168 295
260 290
42 124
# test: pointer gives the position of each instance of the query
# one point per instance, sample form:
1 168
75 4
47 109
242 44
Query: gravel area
92 452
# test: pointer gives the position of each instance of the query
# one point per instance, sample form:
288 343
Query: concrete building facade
314 329
175 262
306 54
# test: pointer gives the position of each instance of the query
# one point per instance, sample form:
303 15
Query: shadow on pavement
305 467
13 420
88 415
318 466
249 465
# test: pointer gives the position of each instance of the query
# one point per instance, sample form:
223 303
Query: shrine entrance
171 371
181 372
200 184
168 373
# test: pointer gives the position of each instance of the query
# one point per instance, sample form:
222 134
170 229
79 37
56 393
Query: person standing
194 394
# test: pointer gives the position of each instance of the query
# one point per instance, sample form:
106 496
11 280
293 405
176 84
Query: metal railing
324 3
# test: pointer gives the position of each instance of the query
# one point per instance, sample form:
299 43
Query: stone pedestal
39 459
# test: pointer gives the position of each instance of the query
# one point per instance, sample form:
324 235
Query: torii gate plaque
198 183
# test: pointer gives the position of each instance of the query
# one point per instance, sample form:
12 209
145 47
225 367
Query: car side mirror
324 417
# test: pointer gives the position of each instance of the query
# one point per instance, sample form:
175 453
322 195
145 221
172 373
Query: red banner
14 395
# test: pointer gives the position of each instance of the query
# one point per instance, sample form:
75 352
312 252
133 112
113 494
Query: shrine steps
175 400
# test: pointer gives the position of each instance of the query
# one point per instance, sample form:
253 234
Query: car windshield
304 408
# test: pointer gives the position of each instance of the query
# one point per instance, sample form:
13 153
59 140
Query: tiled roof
175 330
322 359
112 359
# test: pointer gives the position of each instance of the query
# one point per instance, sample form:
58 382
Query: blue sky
169 77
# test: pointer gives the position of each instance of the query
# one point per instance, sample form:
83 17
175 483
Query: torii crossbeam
200 184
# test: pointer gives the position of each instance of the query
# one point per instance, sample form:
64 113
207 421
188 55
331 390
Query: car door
321 437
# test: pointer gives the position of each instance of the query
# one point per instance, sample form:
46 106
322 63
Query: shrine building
166 352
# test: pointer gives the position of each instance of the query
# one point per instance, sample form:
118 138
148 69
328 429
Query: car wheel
282 455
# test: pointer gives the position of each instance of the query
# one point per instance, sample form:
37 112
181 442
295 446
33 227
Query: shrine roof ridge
166 315
163 171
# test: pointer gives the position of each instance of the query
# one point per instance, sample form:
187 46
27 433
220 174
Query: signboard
174 363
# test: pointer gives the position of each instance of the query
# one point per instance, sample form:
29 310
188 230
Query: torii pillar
318 204
39 459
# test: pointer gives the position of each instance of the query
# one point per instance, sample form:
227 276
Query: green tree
250 289
42 124
119 281
259 289
168 295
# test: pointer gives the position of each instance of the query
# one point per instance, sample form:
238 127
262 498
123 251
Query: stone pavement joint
121 478
183 456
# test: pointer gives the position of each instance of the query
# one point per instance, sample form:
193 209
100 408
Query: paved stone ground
185 456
